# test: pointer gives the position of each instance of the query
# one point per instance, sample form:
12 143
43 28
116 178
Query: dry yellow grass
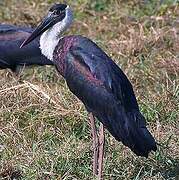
44 131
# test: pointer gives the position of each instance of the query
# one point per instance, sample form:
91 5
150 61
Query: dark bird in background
11 56
97 81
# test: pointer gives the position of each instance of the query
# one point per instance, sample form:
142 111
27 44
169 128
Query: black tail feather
142 141
131 130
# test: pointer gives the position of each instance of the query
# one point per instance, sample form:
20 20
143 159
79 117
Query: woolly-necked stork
97 81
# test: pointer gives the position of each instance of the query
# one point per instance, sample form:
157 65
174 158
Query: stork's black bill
56 14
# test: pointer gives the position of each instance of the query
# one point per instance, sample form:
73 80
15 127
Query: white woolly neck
50 38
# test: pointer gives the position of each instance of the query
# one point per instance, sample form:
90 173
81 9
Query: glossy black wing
105 90
113 78
11 56
8 28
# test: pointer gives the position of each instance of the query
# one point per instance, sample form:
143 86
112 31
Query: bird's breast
61 53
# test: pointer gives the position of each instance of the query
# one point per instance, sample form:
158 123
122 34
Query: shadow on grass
167 169
171 171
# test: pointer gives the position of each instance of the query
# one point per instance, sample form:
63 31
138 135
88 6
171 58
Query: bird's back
11 55
105 90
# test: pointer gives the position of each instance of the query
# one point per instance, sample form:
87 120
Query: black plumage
11 56
105 91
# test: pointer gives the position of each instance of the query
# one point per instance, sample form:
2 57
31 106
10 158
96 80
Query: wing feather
112 100
113 78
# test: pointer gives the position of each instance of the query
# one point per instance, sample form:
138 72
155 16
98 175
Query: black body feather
11 56
105 91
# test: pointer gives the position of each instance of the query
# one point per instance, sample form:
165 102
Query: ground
44 130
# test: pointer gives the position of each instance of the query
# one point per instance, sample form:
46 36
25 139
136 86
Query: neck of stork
50 38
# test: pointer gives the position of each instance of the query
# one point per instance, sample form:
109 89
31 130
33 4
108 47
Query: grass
44 131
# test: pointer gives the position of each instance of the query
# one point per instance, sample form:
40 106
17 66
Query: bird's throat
48 42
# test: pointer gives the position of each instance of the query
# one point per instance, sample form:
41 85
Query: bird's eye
55 12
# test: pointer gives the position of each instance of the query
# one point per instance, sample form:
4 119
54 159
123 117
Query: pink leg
95 144
101 151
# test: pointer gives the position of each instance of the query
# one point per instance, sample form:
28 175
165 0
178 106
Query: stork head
59 15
